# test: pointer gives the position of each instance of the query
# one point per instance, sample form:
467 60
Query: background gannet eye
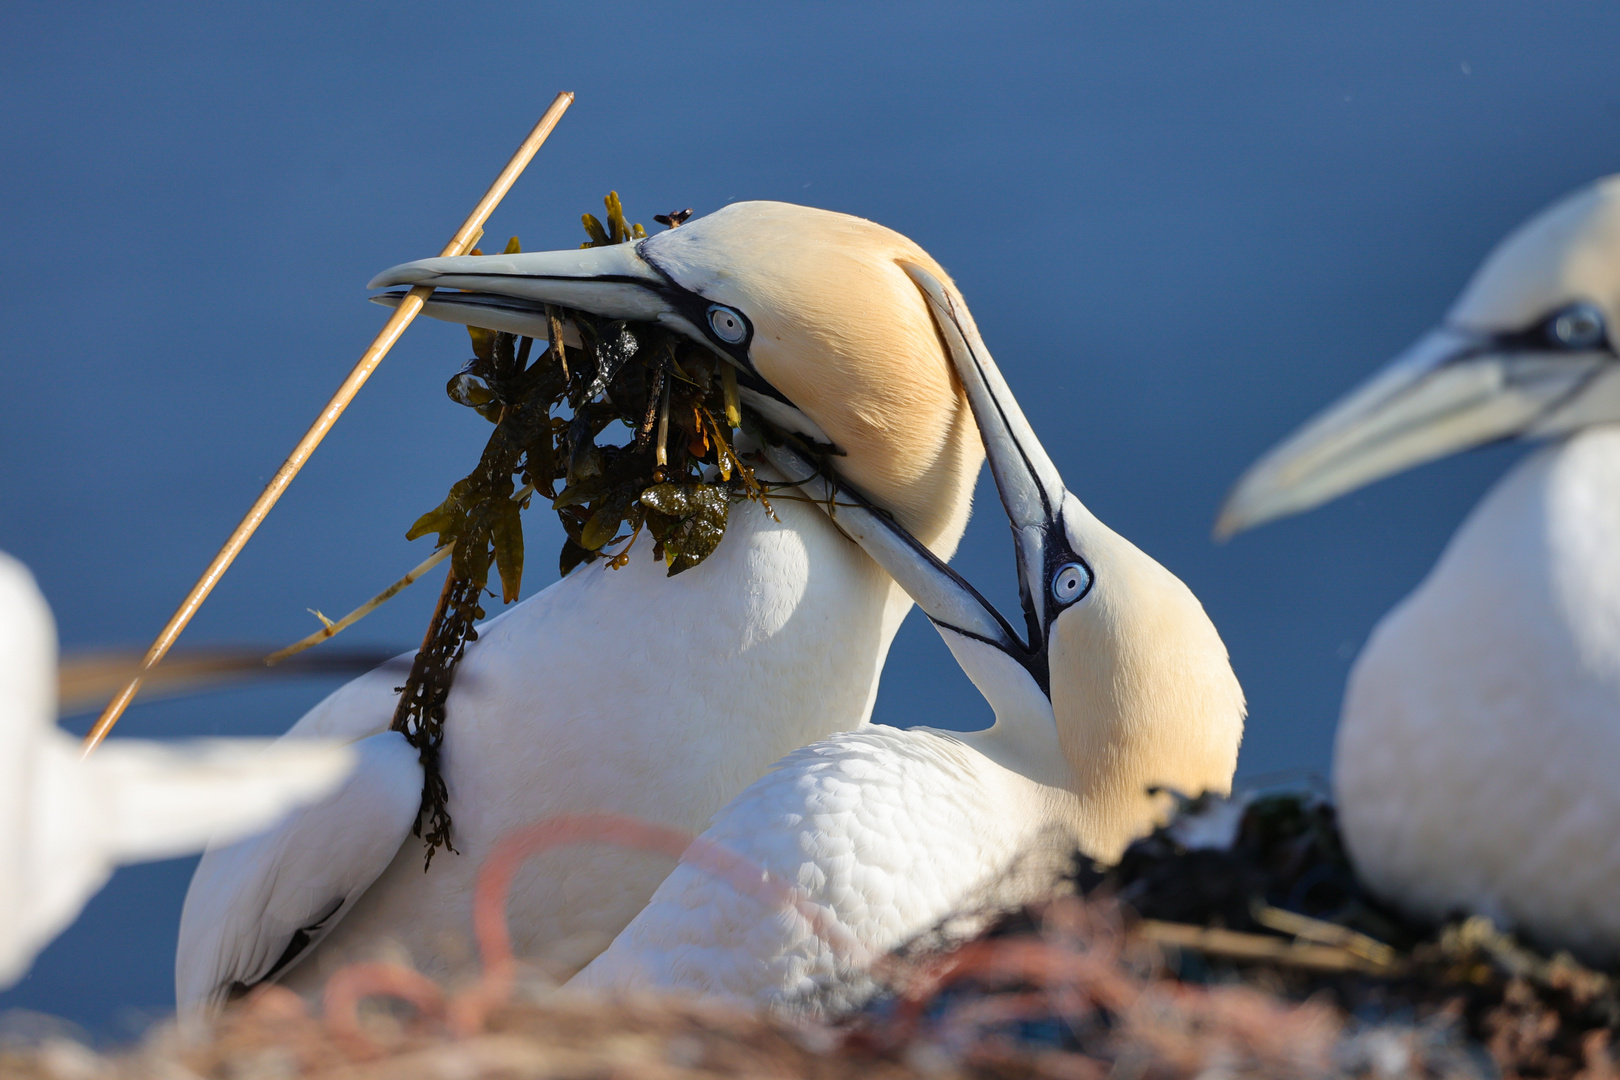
1071 582
1579 326
727 324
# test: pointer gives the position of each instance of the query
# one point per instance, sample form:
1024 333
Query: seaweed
673 476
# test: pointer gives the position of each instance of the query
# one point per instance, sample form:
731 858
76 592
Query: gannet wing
136 800
258 905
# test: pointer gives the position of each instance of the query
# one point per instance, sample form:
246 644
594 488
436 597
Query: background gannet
65 823
1480 732
624 691
1124 684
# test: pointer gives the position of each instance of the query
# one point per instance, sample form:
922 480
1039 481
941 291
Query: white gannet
1480 733
624 691
1124 685
65 823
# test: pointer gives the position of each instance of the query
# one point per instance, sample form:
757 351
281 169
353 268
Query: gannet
624 691
1123 685
1480 731
65 823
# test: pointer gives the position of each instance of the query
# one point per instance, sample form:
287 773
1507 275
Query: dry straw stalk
465 237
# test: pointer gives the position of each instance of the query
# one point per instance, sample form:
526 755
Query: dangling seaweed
674 479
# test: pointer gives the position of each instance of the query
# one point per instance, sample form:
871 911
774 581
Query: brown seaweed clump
629 432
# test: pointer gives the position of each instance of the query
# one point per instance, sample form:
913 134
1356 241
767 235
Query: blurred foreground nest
1192 958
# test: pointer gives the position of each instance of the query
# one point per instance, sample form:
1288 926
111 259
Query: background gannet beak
510 292
1451 391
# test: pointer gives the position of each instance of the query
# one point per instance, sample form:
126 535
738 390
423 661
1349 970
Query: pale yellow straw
332 629
396 324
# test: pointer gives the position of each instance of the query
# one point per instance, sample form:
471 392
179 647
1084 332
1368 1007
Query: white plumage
1480 732
625 691
889 832
1476 756
65 823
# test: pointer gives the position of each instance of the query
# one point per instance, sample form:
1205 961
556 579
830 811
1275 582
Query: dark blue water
1182 227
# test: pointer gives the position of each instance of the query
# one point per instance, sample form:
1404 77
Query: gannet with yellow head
623 691
1122 686
1480 731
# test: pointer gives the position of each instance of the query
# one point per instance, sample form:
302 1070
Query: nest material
1080 986
1263 921
673 475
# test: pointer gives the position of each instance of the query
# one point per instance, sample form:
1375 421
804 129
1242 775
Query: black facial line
1058 555
696 309
1532 339
1040 615
1031 659
1029 466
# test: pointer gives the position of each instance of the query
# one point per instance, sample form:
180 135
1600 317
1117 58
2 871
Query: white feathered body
889 832
617 691
1479 746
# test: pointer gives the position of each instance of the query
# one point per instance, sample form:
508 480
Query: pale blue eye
1579 326
727 324
1070 582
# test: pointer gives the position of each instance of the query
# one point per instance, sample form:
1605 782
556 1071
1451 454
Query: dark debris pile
1241 920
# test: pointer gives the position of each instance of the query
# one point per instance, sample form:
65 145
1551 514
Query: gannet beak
1452 390
617 281
1032 493
510 292
1032 490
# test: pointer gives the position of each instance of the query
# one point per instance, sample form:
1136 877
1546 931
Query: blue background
1182 227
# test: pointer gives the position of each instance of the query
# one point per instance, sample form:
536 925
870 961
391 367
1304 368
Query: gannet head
1527 351
1118 656
829 335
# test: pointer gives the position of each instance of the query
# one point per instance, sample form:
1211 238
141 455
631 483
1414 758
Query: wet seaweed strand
673 477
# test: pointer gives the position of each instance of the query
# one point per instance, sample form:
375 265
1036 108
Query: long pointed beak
1032 490
1451 391
510 292
1032 493
945 597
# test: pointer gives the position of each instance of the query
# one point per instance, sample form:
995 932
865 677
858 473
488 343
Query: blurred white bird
65 823
625 691
1124 685
1480 733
